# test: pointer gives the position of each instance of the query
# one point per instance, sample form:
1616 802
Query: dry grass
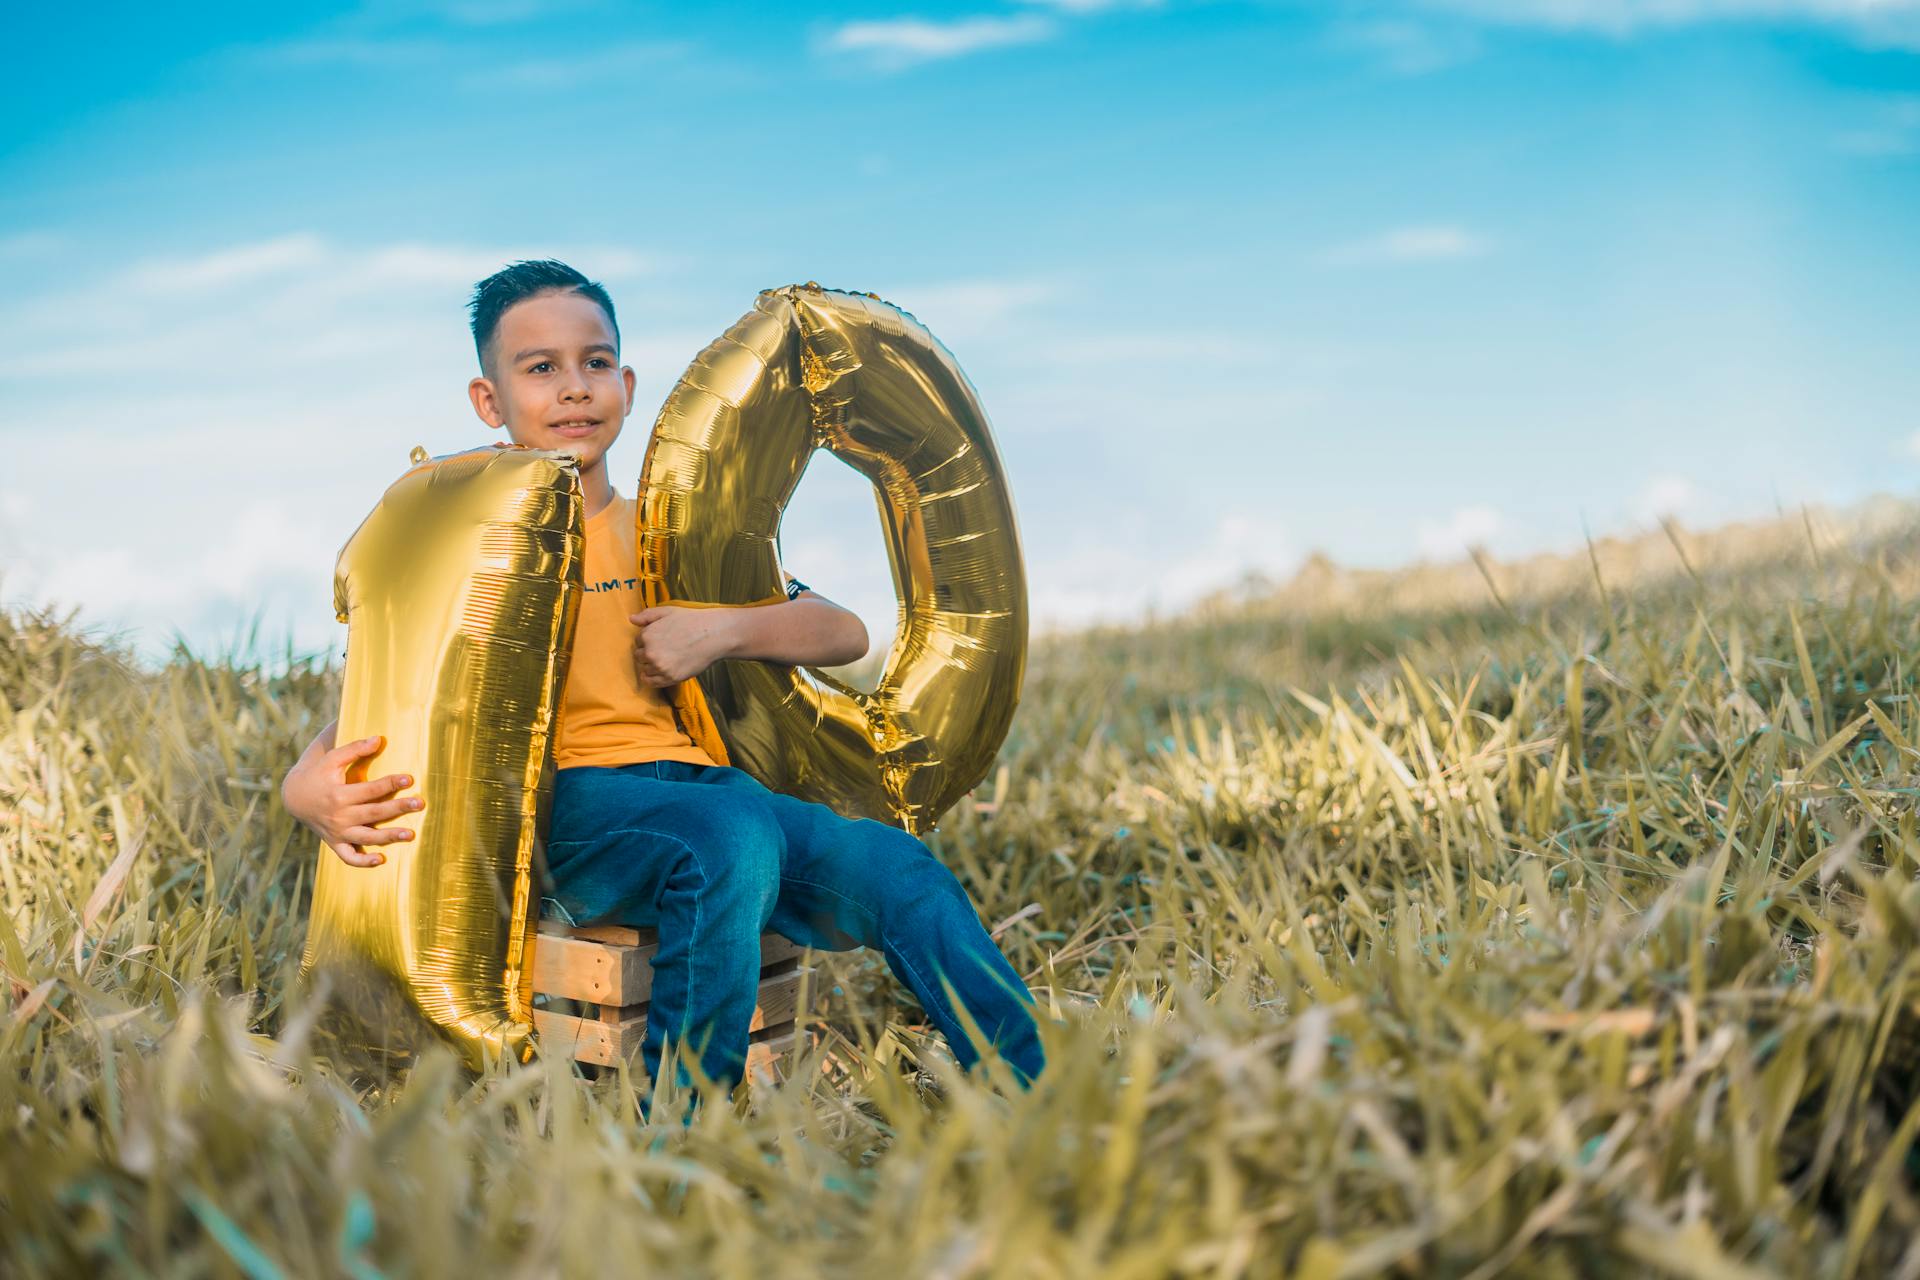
1393 926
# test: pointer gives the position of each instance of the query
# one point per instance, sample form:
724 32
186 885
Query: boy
646 829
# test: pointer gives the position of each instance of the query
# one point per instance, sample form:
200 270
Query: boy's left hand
676 643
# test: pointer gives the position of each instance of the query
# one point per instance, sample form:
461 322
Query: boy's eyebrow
530 352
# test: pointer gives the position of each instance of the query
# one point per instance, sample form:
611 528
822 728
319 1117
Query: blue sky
1235 281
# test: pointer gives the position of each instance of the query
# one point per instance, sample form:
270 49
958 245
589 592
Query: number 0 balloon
808 369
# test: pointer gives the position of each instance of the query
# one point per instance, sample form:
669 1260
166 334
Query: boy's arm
675 643
343 813
807 631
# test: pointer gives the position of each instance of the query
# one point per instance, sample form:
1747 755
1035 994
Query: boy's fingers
347 752
367 815
378 835
356 857
646 616
376 788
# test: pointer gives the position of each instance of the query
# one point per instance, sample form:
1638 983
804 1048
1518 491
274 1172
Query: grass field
1549 919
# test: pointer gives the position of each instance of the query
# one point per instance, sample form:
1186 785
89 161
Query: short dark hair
518 281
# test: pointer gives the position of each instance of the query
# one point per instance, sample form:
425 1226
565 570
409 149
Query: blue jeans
713 859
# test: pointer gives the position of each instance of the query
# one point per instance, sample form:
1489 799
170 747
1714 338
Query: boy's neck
595 488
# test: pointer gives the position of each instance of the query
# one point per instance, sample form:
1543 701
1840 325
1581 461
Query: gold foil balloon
460 593
811 368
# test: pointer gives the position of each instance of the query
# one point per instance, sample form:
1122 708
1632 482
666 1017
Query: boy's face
554 378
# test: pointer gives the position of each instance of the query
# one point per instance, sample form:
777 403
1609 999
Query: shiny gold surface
460 592
811 368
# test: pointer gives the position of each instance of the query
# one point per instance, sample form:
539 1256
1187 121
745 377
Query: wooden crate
610 969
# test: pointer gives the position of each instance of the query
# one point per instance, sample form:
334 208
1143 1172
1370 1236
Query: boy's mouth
575 427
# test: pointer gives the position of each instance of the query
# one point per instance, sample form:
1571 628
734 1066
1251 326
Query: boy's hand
675 643
342 813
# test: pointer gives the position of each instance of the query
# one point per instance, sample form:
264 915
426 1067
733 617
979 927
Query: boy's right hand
343 813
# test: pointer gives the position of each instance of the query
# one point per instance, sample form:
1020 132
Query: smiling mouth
576 426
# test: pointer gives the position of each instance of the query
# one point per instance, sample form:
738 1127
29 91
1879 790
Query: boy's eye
544 364
600 362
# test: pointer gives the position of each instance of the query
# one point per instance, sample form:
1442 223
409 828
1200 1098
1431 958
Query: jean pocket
554 909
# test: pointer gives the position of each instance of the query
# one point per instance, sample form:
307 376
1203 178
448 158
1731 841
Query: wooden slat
577 969
611 966
779 1000
605 1044
618 934
765 1057
588 1039
774 949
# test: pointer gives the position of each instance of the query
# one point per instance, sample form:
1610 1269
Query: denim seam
705 881
881 932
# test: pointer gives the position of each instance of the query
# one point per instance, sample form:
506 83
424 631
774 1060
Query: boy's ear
626 376
486 402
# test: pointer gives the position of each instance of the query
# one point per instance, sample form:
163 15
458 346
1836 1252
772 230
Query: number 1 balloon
460 592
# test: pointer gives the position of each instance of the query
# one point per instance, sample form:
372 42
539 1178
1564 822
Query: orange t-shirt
607 716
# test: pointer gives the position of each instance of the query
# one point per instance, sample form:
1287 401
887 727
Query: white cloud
1427 243
972 308
1243 543
486 13
361 53
1890 22
1115 574
894 43
386 15
1461 532
1876 142
1195 349
1019 318
16 509
292 301
1892 128
238 558
1408 47
236 265
351 269
1666 497
383 39
1093 6
612 62
830 538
